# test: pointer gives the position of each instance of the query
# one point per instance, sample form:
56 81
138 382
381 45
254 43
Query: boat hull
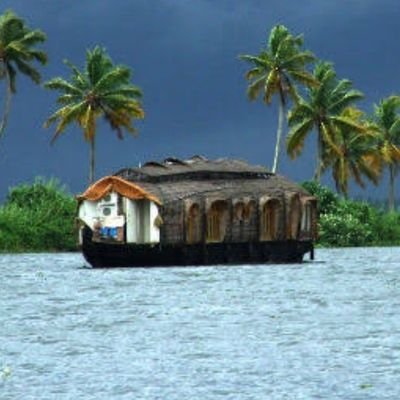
105 255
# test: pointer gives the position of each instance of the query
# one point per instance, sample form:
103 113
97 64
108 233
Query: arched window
293 217
217 218
249 210
269 218
308 217
239 211
193 227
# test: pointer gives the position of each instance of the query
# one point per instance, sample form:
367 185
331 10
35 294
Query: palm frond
394 130
62 85
98 63
78 78
345 101
115 77
39 56
277 35
271 86
68 99
32 38
300 112
28 70
296 137
298 60
130 91
65 116
348 124
254 73
256 87
305 78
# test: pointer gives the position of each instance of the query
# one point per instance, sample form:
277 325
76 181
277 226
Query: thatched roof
197 167
174 179
116 184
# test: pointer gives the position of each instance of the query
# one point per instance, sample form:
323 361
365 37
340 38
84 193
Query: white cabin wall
132 221
140 217
88 212
154 230
143 221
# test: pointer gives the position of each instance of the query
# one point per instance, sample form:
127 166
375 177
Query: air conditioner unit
108 205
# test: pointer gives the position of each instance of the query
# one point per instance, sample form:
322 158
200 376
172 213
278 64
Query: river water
328 329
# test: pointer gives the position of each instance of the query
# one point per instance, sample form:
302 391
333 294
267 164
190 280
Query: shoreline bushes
349 223
38 217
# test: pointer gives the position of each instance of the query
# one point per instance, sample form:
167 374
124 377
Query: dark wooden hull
104 255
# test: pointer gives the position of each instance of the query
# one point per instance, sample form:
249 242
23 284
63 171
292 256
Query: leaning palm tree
17 53
101 89
353 153
386 119
321 112
276 70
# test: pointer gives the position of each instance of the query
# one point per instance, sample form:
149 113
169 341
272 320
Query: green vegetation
386 126
351 144
322 111
17 53
344 222
38 217
101 89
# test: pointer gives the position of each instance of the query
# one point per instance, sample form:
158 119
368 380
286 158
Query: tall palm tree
276 70
386 119
321 111
101 89
17 53
353 153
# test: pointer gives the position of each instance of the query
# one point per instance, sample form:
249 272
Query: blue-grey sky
184 56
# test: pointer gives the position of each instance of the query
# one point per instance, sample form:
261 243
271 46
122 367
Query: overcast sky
184 56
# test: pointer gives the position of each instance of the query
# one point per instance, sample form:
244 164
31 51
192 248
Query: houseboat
195 212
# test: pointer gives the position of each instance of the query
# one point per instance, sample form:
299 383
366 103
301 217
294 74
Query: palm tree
101 89
276 70
353 153
386 121
321 111
17 53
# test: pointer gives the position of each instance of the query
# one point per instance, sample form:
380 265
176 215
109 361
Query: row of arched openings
271 219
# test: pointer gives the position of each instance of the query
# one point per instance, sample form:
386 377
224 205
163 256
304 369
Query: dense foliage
38 217
344 222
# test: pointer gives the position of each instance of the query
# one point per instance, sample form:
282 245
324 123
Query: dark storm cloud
184 55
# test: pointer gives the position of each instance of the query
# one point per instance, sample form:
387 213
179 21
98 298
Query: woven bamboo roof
174 179
197 167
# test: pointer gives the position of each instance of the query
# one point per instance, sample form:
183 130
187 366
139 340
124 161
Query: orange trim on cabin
109 184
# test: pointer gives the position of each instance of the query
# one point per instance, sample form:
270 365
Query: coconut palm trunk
279 133
92 156
7 103
318 167
391 187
